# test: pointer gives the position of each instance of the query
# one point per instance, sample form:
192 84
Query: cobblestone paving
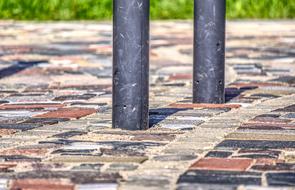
55 111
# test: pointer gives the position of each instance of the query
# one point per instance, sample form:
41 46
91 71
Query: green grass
160 9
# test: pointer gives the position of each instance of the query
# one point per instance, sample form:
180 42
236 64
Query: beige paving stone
265 136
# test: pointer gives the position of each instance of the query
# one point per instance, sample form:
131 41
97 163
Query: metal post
209 50
130 64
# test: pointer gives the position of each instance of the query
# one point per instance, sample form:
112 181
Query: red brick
222 164
5 166
40 184
180 77
192 106
68 113
29 106
27 152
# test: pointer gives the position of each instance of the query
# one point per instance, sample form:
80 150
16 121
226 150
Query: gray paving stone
103 186
190 186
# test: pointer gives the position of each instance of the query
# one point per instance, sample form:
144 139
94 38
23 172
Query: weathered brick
25 151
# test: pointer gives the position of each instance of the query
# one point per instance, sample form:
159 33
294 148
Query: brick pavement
55 111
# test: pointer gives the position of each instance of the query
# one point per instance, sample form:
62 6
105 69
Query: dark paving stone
45 121
8 92
267 126
290 116
58 142
276 167
286 79
255 156
19 158
259 153
175 84
281 179
269 115
74 152
121 152
220 177
165 111
265 95
269 119
169 158
69 134
88 104
76 97
20 126
256 144
286 109
219 154
262 151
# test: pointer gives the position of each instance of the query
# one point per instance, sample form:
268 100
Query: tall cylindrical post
130 64
209 50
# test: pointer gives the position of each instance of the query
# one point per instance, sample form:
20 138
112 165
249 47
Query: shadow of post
159 114
20 66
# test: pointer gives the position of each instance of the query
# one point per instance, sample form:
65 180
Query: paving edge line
164 174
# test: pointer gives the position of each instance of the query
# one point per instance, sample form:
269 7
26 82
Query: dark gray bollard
131 64
209 50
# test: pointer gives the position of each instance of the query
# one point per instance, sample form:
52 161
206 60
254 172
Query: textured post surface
209 49
130 64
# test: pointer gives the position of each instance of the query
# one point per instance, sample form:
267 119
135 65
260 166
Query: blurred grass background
160 9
